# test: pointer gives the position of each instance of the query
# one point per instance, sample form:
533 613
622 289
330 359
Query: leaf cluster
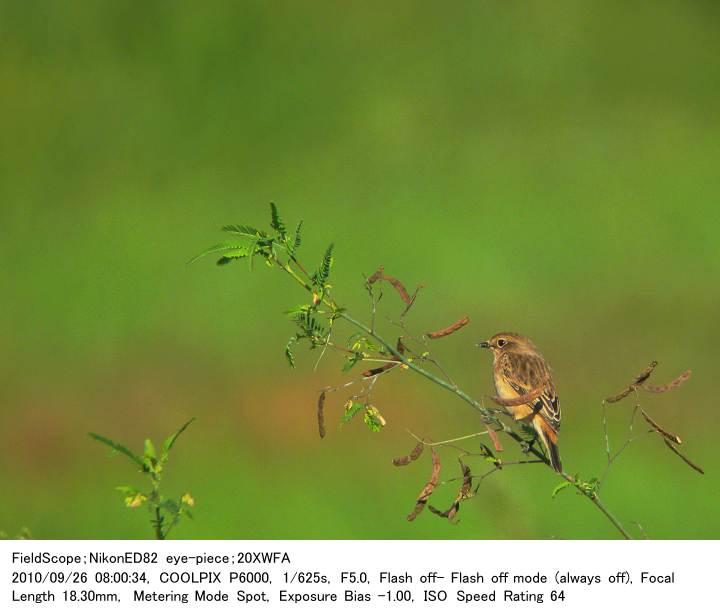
165 512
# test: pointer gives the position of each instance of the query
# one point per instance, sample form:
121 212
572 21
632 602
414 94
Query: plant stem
613 520
157 523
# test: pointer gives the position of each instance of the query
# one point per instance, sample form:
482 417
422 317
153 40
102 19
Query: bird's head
508 341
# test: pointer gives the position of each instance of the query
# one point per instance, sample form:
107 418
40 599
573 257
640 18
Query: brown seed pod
495 439
690 463
668 435
623 394
450 329
380 369
376 276
463 493
637 381
321 414
674 384
412 300
386 367
400 288
411 457
645 374
428 489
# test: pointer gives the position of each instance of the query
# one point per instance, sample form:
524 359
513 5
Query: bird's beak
483 345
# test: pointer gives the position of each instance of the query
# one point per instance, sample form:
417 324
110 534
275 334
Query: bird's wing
528 373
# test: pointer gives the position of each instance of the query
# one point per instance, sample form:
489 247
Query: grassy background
545 167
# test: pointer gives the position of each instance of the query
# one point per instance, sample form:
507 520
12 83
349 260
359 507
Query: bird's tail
549 439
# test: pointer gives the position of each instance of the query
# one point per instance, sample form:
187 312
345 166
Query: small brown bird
524 385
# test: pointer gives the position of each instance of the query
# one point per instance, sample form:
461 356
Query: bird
524 385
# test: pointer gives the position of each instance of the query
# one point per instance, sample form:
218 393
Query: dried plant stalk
674 384
660 430
450 329
428 489
411 457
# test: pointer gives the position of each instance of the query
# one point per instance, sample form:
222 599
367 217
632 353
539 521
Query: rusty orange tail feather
549 439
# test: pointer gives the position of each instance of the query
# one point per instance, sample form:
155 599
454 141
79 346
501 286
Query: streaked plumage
520 369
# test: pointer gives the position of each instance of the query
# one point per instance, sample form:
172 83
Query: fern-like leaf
244 231
298 237
289 355
276 223
320 277
230 249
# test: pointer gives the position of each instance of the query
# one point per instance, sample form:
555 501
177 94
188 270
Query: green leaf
170 440
351 361
129 490
295 311
289 352
118 448
351 409
320 277
171 506
233 255
224 247
373 419
150 450
298 237
309 325
276 223
244 231
527 432
560 487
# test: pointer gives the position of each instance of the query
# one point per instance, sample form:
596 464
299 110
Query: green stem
613 520
157 524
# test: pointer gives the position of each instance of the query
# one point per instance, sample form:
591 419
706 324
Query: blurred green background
545 167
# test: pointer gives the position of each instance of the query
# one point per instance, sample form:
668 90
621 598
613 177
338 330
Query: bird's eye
501 343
